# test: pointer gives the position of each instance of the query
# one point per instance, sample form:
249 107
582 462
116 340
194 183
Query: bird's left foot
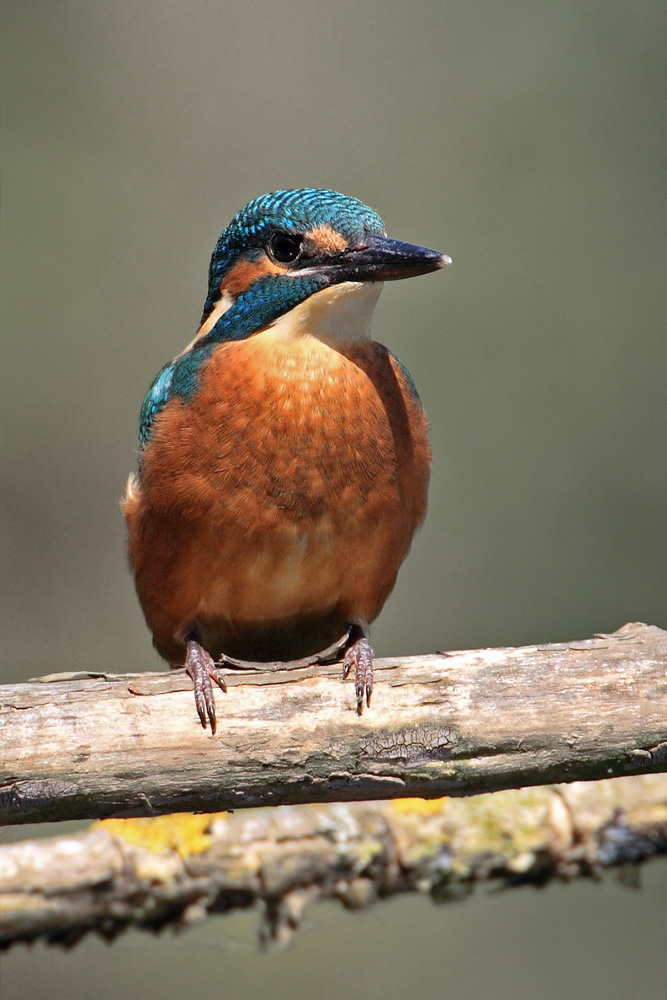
360 656
201 668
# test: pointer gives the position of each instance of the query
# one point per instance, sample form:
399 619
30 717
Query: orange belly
276 507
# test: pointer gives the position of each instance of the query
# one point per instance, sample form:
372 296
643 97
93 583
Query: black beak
380 259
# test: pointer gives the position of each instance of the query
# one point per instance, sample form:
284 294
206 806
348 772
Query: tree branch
175 870
79 746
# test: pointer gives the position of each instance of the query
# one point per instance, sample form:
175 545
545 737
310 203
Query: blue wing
156 397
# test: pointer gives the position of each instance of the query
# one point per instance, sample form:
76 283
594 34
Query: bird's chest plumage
289 486
291 433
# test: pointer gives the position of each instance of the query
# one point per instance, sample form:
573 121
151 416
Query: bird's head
304 261
286 246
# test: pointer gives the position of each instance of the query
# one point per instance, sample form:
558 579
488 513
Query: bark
89 746
172 871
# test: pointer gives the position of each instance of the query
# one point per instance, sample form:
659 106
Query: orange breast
277 506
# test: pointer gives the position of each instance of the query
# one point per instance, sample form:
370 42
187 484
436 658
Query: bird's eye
285 248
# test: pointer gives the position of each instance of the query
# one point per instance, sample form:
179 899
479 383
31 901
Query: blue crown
295 211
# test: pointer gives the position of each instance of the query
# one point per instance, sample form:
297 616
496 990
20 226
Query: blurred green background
525 139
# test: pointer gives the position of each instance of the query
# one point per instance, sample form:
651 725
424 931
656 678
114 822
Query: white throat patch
337 314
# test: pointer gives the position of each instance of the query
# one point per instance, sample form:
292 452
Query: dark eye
285 248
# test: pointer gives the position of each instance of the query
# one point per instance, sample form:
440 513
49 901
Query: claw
360 656
201 668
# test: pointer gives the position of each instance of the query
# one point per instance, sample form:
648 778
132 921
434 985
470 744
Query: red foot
360 656
199 665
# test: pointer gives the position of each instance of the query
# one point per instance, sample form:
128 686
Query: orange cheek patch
245 273
326 241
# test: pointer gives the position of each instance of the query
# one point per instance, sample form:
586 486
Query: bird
284 457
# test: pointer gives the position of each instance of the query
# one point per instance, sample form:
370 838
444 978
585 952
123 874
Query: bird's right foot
201 668
360 656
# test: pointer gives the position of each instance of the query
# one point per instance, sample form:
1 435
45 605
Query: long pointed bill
379 258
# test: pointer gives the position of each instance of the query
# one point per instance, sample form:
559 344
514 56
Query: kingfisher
284 456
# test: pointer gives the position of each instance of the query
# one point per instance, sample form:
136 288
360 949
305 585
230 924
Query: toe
360 656
200 667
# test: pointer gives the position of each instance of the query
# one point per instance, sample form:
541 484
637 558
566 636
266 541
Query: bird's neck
335 315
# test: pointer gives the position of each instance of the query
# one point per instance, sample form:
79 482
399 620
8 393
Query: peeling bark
89 746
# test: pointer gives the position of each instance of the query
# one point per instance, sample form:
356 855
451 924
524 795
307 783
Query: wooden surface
172 871
451 724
